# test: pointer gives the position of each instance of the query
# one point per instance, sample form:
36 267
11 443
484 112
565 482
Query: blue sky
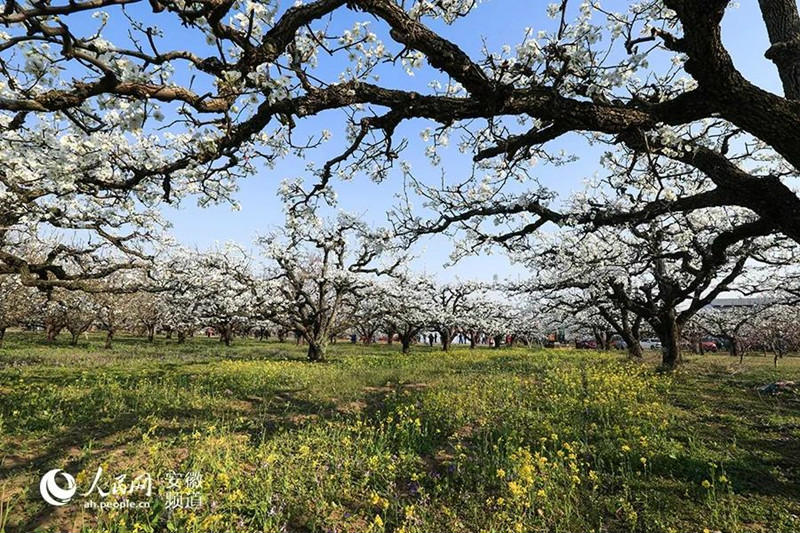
496 22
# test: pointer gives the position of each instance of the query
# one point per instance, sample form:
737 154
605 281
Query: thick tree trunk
446 340
52 333
74 339
670 341
473 340
151 333
2 335
634 348
783 27
630 336
497 340
181 336
109 338
316 351
405 341
225 334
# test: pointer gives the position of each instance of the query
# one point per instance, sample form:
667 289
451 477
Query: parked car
650 344
709 346
619 344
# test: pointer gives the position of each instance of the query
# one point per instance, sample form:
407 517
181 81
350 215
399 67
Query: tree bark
109 338
634 348
405 341
2 335
446 339
669 334
783 27
52 332
497 340
74 340
734 347
181 336
316 351
368 337
630 336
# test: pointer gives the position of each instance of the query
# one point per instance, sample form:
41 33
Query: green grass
484 440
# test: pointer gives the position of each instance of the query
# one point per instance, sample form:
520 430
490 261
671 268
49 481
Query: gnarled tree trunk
669 334
316 351
783 27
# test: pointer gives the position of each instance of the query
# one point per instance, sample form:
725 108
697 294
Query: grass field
486 440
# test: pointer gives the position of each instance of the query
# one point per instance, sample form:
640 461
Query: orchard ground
483 440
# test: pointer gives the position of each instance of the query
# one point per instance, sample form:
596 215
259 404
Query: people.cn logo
54 494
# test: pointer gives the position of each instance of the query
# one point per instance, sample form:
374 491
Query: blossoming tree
662 272
17 304
407 306
315 268
105 112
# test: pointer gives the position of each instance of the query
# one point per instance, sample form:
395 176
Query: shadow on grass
285 410
728 415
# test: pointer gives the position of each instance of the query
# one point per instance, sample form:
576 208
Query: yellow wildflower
515 488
